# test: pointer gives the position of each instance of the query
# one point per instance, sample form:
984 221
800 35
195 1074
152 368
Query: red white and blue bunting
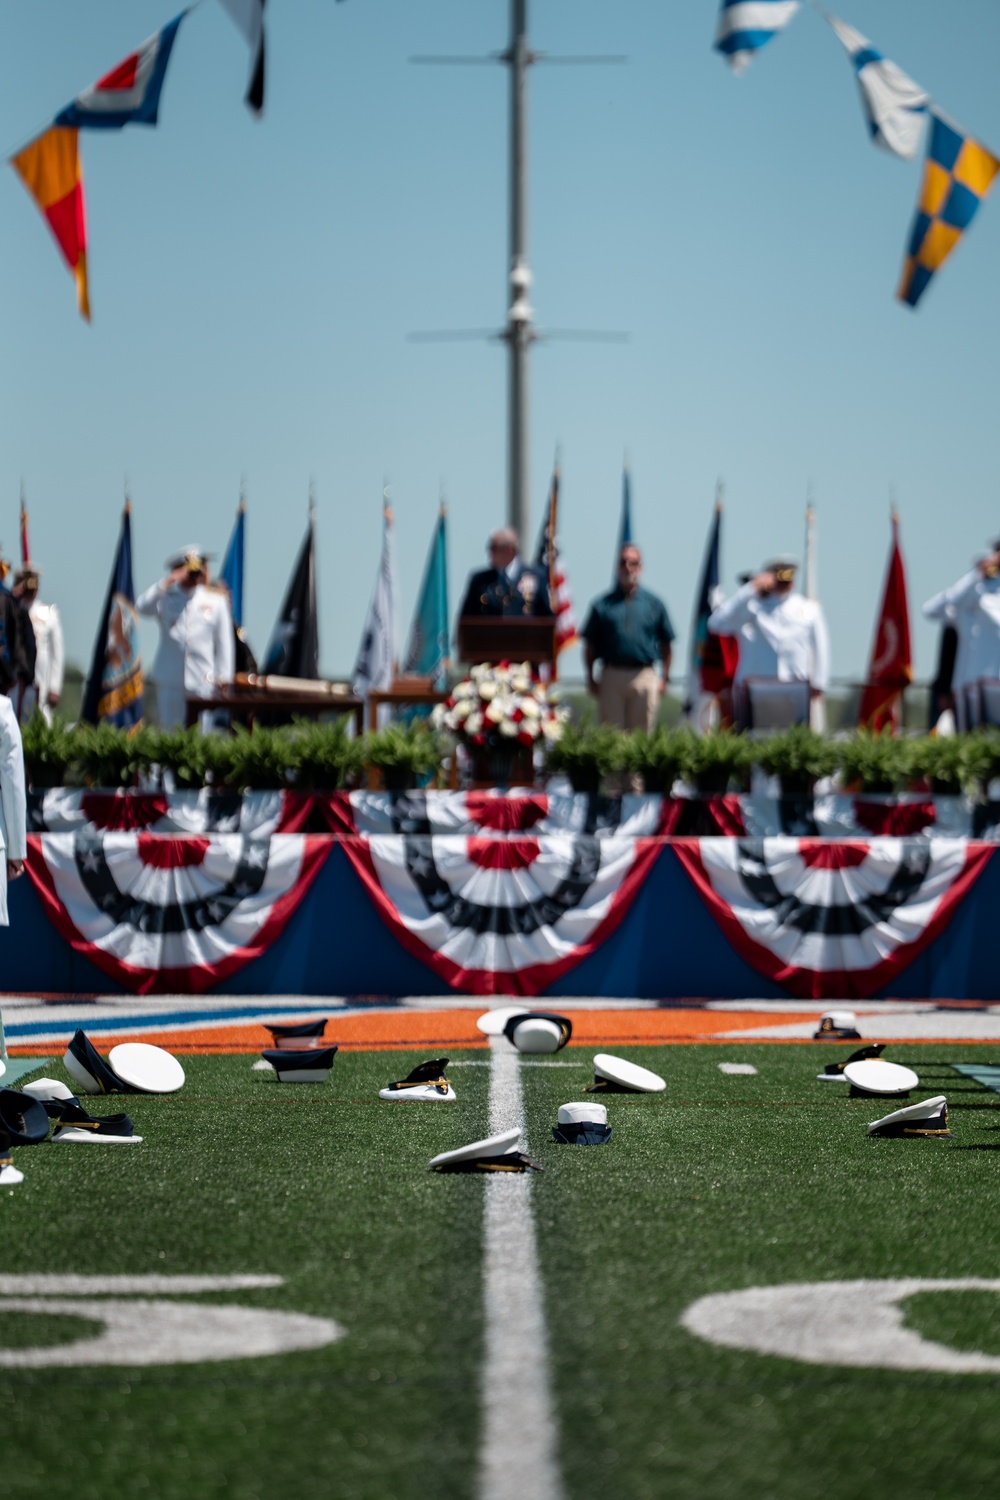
831 920
161 914
501 916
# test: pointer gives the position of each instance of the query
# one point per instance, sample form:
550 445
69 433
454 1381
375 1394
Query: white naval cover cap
492 1022
875 1076
620 1075
584 1111
929 1117
494 1145
147 1069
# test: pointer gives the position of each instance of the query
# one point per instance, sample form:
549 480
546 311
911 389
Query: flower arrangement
499 706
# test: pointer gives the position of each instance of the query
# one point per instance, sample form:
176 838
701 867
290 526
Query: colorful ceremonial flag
427 647
293 650
894 106
957 176
547 557
249 18
375 667
890 668
25 549
713 658
747 25
113 692
130 93
625 524
51 170
231 572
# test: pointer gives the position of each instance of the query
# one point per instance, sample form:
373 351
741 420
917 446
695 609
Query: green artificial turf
722 1182
728 1182
325 1185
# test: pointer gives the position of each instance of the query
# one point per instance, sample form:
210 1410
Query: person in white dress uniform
13 820
196 650
46 690
972 605
781 635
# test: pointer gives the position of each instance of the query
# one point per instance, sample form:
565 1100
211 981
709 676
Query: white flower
462 709
474 722
530 709
520 684
552 729
494 712
488 690
531 728
464 689
509 728
438 716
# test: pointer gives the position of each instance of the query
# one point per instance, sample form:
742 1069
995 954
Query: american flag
547 556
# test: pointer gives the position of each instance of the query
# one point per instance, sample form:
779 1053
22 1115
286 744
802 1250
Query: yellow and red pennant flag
51 170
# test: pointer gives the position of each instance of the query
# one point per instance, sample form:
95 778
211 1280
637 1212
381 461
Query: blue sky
253 285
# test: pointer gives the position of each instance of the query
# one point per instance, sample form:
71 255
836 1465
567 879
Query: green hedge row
303 755
308 755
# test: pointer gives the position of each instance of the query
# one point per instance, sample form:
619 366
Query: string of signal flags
129 94
958 172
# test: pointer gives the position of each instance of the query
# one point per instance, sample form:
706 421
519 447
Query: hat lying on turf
73 1123
492 1022
46 1089
614 1075
9 1174
929 1117
302 1067
298 1036
834 1072
884 1080
583 1124
425 1082
498 1153
838 1026
131 1068
538 1031
23 1120
87 1068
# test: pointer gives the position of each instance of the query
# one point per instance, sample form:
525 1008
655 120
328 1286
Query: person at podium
509 586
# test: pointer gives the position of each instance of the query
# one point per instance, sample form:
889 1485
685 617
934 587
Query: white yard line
518 1457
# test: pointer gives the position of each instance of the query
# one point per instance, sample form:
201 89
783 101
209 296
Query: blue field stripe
163 1020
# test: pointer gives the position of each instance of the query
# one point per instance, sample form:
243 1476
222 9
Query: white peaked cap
493 1145
583 1113
873 1076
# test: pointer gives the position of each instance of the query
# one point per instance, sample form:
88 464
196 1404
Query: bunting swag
501 916
830 921
171 914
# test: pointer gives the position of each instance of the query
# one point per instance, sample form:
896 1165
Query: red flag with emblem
890 666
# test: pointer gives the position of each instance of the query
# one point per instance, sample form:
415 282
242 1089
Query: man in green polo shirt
629 631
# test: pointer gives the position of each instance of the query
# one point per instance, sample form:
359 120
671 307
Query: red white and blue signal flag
130 93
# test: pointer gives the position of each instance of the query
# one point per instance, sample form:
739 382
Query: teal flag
426 652
231 572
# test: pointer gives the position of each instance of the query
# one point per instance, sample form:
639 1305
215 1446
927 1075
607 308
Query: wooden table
244 704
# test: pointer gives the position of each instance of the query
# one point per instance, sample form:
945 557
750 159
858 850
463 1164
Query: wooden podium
496 638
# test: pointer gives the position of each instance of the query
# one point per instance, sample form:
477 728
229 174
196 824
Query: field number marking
143 1330
857 1323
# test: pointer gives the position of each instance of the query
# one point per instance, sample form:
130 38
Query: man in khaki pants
628 630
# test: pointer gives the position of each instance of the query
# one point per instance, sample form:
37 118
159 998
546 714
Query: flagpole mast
519 334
